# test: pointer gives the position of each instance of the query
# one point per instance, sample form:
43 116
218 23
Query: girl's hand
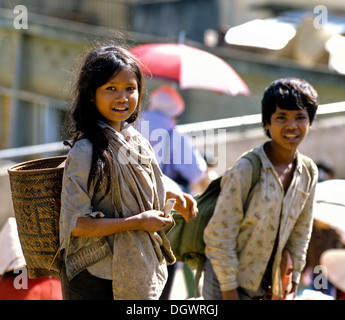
185 204
153 220
150 221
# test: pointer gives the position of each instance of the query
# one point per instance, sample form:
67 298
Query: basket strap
57 252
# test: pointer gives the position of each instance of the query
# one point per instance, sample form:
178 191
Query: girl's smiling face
118 98
288 128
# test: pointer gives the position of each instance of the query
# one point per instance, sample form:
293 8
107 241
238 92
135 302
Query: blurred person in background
176 155
323 237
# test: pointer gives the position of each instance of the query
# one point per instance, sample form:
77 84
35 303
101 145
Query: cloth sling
139 257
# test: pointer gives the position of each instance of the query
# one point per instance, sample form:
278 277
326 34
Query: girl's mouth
120 109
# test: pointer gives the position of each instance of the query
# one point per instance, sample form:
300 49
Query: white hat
330 214
329 204
167 100
334 261
11 254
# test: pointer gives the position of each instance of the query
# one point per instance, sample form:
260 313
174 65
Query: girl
112 225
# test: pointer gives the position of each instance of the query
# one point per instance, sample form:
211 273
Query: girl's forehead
124 73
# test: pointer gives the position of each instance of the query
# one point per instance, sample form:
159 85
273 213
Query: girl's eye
111 88
131 88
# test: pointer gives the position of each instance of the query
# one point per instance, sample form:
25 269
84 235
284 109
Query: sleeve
221 233
75 198
298 241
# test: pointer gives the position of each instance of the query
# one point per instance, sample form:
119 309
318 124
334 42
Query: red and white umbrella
190 67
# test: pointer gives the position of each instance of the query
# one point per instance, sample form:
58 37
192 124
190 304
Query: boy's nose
292 123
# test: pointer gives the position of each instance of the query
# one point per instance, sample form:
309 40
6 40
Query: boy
245 239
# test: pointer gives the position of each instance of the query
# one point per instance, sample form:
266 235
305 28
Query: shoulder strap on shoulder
256 164
256 173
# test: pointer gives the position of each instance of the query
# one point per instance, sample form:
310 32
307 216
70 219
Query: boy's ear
266 128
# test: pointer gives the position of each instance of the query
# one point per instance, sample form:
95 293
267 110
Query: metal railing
240 123
253 119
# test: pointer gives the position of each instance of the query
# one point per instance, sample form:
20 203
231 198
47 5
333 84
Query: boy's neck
283 162
279 156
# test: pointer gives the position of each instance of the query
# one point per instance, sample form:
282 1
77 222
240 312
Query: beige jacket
239 246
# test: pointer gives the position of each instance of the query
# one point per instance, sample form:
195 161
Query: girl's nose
122 96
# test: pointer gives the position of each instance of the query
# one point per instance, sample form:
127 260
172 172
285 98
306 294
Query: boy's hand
293 291
230 295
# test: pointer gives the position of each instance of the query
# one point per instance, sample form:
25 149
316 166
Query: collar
266 162
127 132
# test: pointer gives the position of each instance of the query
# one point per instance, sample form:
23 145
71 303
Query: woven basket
36 190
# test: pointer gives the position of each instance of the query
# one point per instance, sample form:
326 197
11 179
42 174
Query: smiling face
288 128
117 99
288 94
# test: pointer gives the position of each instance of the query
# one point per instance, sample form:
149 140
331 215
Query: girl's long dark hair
99 65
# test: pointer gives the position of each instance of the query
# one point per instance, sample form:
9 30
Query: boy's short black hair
289 94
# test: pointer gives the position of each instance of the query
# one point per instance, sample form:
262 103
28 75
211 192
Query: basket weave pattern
36 191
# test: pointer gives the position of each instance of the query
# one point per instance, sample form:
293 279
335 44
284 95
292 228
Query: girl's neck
117 127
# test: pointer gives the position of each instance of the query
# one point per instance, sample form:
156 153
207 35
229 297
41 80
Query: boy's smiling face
288 128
